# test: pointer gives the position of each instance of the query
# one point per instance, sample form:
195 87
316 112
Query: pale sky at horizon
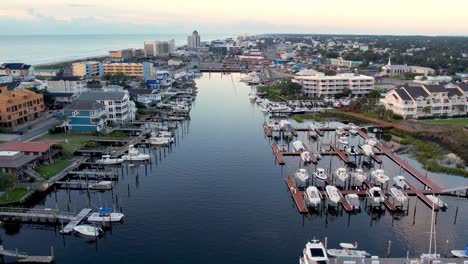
429 17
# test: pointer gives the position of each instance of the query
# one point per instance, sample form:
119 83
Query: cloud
80 5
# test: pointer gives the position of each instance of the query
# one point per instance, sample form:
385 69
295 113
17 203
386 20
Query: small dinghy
313 196
88 230
347 251
320 174
400 182
341 174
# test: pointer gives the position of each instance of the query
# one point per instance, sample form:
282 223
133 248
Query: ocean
42 49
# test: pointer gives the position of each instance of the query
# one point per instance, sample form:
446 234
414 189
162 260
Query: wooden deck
278 154
22 257
345 204
340 153
267 130
298 196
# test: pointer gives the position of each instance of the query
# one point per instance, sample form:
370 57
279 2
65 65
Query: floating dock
267 130
69 227
298 196
22 257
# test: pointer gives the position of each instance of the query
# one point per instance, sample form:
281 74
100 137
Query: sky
400 17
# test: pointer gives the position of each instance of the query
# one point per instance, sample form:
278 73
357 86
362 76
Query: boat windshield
376 194
317 252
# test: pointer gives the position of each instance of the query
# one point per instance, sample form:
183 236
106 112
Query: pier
69 227
36 215
298 196
22 257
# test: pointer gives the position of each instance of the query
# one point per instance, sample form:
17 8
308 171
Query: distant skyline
397 17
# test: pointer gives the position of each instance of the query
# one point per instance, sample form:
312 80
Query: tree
7 181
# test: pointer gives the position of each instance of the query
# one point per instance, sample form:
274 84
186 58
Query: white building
6 78
119 108
159 48
400 70
66 87
320 85
193 41
428 100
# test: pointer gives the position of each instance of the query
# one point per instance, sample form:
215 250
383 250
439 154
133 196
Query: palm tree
65 119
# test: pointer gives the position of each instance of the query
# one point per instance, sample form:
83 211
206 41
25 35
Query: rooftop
79 104
15 66
416 91
403 94
102 96
26 146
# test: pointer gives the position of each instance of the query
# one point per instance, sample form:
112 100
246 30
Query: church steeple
389 60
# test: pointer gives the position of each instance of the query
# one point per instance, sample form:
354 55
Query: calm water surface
218 197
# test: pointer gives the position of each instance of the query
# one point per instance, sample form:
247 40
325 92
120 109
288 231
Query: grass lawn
52 169
14 195
75 141
453 122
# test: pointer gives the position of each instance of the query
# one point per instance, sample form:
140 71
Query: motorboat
400 182
252 96
340 131
313 196
353 200
437 201
379 176
317 155
353 130
314 253
321 174
368 150
264 109
135 155
461 253
158 141
88 230
359 175
398 195
333 194
298 111
301 176
352 151
168 135
284 125
371 141
347 250
312 131
100 185
376 194
343 140
298 146
305 156
107 160
283 148
341 174
106 215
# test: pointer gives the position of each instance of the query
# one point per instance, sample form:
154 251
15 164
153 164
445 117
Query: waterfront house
19 106
15 162
44 151
85 116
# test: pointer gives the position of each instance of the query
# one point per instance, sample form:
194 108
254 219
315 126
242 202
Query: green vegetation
15 196
452 122
7 181
75 141
51 170
286 90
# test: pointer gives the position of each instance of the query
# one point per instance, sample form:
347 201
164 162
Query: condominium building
159 48
193 41
126 54
87 69
19 106
320 85
428 100
344 63
139 70
65 89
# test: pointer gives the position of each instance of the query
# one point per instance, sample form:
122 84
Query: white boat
107 160
101 185
367 149
353 130
167 135
305 156
353 200
301 176
264 109
376 194
341 174
252 96
135 155
299 111
398 195
313 196
400 182
284 125
461 253
106 215
371 141
88 230
347 250
359 175
320 174
158 141
437 201
379 176
314 253
298 146
343 140
352 151
317 155
340 131
333 195
312 131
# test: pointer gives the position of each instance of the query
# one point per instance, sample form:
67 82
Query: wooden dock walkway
36 214
69 227
340 153
278 154
346 206
390 206
267 130
298 196
22 257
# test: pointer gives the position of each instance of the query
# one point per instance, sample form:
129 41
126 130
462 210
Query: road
39 129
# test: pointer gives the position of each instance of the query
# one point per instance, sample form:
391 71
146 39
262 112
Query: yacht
314 253
379 176
398 195
305 156
340 131
88 230
106 215
347 250
320 174
352 151
437 201
107 160
298 146
333 194
376 194
135 155
301 176
341 174
353 200
264 109
157 140
359 175
313 196
400 182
